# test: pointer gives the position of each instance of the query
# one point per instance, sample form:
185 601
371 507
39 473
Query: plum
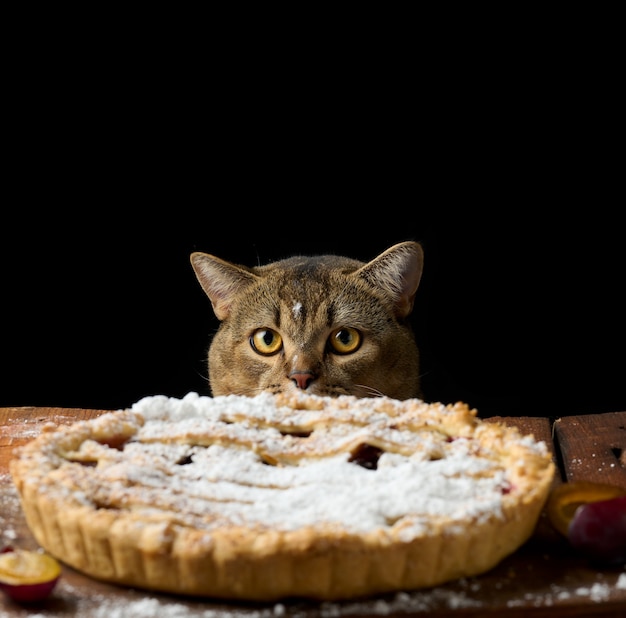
28 576
592 516
598 529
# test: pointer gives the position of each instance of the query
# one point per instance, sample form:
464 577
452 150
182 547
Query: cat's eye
344 340
266 341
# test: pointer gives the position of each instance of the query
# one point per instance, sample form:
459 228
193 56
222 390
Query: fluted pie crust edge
319 561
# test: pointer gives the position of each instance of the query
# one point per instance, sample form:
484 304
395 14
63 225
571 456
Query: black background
516 316
507 169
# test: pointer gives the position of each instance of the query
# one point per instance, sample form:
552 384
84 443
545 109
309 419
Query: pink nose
302 379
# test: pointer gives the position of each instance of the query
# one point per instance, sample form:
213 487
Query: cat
325 324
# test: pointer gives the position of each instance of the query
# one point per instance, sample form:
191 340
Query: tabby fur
327 324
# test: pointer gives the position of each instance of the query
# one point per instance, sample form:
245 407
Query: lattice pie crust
268 497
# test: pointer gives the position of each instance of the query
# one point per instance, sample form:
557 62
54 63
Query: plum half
592 516
598 529
28 576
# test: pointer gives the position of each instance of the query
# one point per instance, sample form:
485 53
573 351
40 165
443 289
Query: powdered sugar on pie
227 496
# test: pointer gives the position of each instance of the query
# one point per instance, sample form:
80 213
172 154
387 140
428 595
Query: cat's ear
398 271
220 280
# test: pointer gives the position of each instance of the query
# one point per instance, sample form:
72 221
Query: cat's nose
302 379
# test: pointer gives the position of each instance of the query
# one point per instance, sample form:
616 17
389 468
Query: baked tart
282 496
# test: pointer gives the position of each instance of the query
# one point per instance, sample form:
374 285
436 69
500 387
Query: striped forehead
303 304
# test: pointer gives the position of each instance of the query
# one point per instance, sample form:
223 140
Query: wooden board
593 447
542 579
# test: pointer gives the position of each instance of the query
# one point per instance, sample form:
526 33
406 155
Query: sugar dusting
10 506
82 601
86 601
89 599
226 443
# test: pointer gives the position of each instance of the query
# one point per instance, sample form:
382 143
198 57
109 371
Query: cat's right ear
220 280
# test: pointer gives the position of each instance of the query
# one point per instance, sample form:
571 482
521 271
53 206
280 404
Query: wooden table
543 578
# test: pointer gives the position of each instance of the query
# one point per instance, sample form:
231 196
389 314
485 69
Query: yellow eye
266 341
344 340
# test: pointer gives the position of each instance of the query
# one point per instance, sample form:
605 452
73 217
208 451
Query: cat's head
326 324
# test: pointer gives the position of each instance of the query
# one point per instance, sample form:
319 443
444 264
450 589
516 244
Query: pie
282 496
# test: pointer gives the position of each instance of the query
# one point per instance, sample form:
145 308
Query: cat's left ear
398 271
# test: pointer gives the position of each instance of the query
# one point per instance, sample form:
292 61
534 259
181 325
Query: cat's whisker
252 391
371 390
203 376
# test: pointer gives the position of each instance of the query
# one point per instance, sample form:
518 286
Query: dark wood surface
543 578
